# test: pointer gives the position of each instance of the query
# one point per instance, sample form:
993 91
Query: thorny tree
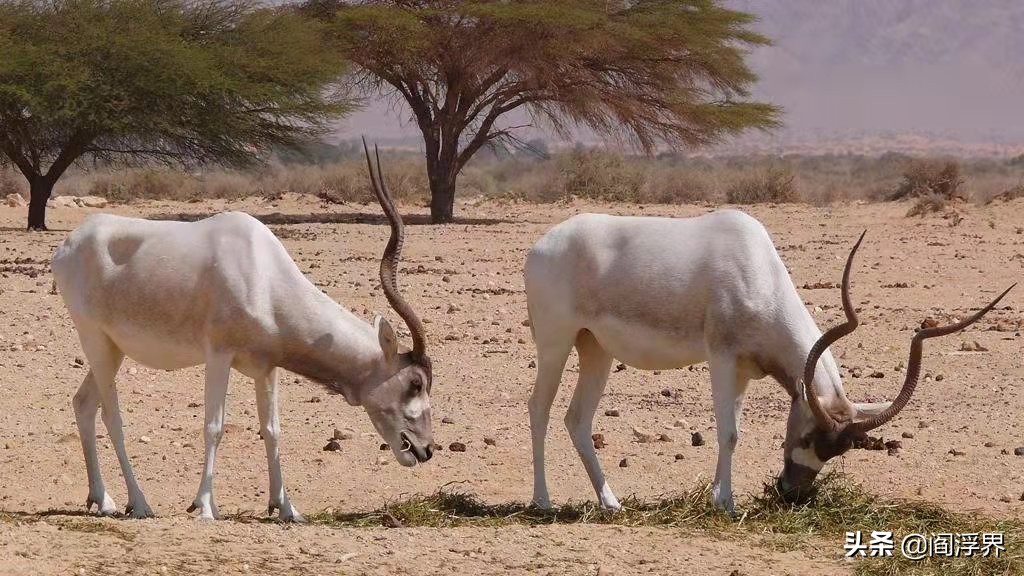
175 81
645 71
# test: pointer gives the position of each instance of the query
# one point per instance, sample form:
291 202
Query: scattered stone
612 412
664 438
447 420
696 439
620 367
384 446
332 446
956 452
990 444
526 322
79 361
1004 452
939 377
929 323
533 364
490 441
194 404
869 443
667 393
598 441
624 463
15 200
907 434
680 423
643 436
1019 451
343 434
457 447
877 374
452 308
921 424
145 440
893 447
91 201
679 457
856 372
1006 499
314 400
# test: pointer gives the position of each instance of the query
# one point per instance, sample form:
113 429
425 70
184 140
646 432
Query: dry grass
591 174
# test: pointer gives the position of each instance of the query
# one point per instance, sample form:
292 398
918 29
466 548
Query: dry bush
928 204
1010 194
923 178
602 175
774 184
12 183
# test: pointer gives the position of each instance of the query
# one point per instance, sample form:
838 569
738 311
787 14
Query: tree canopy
177 81
644 71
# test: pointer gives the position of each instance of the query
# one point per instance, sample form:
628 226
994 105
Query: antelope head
399 406
818 431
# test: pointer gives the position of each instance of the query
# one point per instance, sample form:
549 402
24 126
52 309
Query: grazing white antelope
224 292
663 293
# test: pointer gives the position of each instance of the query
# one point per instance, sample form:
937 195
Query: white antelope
663 293
224 292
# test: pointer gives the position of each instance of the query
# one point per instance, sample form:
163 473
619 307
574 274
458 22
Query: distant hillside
949 69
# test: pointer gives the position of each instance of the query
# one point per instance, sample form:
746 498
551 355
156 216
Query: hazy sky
854 67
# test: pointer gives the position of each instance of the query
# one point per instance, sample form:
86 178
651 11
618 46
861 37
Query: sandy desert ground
466 280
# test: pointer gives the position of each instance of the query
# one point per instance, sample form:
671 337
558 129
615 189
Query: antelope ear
388 340
867 410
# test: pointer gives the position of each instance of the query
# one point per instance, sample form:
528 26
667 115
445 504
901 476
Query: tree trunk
40 188
442 192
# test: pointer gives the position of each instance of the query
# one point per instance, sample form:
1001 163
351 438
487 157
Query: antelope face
807 448
400 411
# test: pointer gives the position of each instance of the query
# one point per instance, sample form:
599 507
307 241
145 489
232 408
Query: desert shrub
676 185
142 184
928 204
602 175
1011 193
11 183
773 184
923 178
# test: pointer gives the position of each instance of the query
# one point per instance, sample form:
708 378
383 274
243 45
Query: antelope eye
416 386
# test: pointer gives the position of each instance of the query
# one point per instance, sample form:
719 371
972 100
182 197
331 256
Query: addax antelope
224 292
663 293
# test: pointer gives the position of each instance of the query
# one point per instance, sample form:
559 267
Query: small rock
856 373
929 323
194 404
973 346
657 372
696 439
643 436
526 322
332 446
612 412
877 374
384 446
667 393
79 361
598 441
533 364
145 440
1019 451
343 434
921 424
1006 499
490 441
956 452
314 400
990 444
664 438
620 367
679 457
939 377
624 463
907 434
452 308
447 420
457 447
680 423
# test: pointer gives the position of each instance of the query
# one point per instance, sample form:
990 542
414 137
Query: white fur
222 292
663 293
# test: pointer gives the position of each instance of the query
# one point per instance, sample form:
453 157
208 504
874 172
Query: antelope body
664 293
223 292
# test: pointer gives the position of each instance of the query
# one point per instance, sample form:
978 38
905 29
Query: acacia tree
175 81
647 71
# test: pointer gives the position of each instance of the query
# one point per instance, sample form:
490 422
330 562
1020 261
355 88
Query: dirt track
481 354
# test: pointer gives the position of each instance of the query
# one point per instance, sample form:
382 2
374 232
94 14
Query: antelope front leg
86 405
727 393
270 429
218 371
